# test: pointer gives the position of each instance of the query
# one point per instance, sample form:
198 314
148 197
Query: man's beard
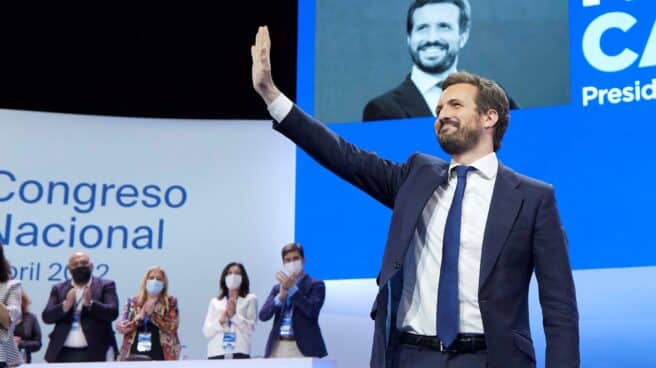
461 140
443 65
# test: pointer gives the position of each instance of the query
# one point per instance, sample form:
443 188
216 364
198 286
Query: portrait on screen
386 60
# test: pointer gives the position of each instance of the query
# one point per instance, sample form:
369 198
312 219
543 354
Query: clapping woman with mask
149 321
231 316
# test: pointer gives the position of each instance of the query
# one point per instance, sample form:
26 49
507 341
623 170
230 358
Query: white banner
189 195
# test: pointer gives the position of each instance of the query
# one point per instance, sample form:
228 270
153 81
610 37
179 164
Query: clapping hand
231 308
70 300
123 326
286 283
86 296
149 307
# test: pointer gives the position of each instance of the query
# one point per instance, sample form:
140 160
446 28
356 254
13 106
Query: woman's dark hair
244 288
5 268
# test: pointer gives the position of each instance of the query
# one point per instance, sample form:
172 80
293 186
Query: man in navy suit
295 303
465 236
82 311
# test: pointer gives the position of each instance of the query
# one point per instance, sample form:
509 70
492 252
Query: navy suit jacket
523 235
307 302
30 333
404 101
96 320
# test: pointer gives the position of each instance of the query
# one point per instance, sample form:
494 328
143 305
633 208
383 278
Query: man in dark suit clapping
82 311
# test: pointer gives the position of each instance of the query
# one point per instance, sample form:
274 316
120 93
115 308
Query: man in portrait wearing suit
464 240
82 311
436 31
295 303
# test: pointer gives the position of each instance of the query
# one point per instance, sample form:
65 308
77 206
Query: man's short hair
463 5
292 247
489 96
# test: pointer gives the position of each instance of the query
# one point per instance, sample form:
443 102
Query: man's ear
490 118
464 37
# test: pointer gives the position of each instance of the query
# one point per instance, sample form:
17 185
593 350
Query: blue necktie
448 305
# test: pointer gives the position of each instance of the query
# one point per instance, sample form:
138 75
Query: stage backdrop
595 147
189 196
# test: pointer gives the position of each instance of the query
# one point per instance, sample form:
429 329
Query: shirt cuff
280 108
276 301
292 291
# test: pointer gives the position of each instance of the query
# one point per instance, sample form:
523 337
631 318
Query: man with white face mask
295 303
231 316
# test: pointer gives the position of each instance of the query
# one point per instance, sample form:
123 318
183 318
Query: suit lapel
505 206
426 185
95 288
411 206
411 100
304 285
67 287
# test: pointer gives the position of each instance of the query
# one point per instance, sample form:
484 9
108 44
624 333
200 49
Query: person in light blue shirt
294 303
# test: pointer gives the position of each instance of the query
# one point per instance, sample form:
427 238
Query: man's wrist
269 94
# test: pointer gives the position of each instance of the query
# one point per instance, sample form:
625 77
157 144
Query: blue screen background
599 159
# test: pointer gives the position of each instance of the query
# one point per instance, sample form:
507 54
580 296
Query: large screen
367 49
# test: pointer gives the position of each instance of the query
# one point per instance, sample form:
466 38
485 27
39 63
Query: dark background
173 59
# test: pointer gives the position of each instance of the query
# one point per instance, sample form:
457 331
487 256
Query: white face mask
233 281
154 287
293 267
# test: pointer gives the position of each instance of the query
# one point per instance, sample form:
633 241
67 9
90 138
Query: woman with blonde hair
149 321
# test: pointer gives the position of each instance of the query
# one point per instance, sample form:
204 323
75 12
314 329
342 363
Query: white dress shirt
280 108
427 85
421 271
76 337
242 324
